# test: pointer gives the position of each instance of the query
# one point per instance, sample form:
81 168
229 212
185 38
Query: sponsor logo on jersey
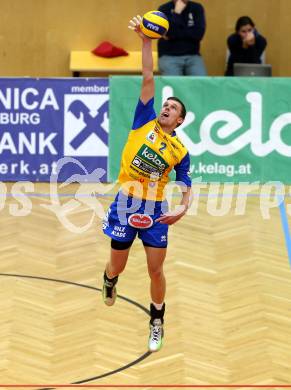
150 156
152 137
136 161
149 163
140 221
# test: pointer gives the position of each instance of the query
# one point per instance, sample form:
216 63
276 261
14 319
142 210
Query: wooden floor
228 317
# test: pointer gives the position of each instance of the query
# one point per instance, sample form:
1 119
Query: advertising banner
44 120
236 129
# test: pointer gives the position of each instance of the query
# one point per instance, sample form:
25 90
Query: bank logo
86 125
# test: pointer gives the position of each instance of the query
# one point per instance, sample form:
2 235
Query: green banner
236 129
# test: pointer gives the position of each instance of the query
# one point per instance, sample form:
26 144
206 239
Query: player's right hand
134 24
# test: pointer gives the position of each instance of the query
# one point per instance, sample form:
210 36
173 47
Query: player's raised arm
148 85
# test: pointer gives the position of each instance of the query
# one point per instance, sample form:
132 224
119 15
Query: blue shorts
119 226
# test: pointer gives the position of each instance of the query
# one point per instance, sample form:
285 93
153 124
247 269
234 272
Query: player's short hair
183 108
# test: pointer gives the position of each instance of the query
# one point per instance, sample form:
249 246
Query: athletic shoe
156 335
109 293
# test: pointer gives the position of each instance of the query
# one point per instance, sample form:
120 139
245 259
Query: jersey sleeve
182 170
144 113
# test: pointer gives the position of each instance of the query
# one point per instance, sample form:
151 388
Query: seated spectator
246 45
179 49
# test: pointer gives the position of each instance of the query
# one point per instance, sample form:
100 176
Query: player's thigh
155 259
155 240
118 257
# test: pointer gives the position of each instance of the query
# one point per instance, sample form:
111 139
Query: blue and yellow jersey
149 156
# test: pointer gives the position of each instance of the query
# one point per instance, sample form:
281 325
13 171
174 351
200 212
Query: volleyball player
151 152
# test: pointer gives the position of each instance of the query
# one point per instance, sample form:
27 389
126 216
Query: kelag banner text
236 129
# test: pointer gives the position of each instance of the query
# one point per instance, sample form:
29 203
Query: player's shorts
128 217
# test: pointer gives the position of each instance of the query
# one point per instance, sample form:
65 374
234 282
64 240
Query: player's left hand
172 217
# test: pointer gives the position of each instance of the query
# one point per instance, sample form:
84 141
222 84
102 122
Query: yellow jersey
149 156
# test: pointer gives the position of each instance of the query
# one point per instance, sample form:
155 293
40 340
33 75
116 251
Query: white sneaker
156 336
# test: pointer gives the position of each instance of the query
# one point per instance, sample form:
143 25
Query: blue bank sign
43 120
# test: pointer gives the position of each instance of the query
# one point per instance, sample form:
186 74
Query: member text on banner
45 120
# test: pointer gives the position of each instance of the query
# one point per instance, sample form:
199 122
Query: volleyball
154 24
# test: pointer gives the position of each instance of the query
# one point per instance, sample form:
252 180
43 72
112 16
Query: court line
285 225
149 386
286 230
106 374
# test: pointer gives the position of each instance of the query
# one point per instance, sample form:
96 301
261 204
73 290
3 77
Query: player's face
170 115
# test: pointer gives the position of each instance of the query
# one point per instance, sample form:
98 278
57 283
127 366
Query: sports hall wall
37 35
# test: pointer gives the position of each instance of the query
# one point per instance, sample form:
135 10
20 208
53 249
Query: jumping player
151 152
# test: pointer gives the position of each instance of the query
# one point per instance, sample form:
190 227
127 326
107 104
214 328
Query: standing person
246 45
179 50
151 152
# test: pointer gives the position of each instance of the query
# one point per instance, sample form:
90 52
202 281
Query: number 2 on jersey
163 147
